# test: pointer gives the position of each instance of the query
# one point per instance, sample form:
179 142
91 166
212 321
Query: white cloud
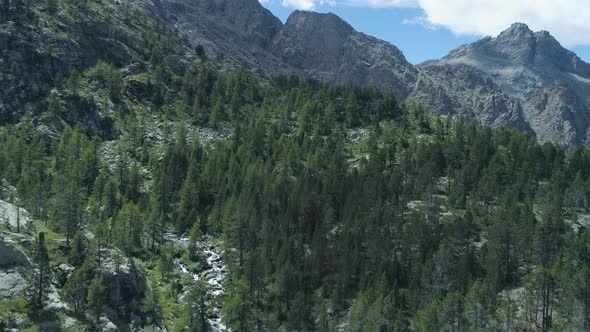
421 21
310 4
299 4
567 20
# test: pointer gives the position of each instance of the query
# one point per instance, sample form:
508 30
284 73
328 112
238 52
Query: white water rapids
213 272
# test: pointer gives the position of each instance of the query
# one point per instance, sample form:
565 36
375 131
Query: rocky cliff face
521 61
549 83
15 265
498 81
327 48
238 32
320 46
460 92
557 115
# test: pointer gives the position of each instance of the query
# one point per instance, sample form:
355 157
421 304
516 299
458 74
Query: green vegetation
335 206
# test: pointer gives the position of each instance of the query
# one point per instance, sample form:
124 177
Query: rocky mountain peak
517 43
327 48
327 21
517 29
326 30
246 15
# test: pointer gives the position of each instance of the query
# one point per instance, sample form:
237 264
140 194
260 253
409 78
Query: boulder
127 286
107 326
12 283
15 267
11 215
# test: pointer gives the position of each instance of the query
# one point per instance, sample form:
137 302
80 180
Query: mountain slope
237 31
521 61
551 83
495 81
85 64
325 47
459 91
319 46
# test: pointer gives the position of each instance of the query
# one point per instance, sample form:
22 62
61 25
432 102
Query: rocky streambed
213 272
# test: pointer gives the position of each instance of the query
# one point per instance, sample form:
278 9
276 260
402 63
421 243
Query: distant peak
517 29
329 20
545 35
519 26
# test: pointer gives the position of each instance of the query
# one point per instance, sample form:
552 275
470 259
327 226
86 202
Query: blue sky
410 29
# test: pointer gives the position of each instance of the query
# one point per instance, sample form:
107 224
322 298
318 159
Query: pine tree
97 292
75 288
40 282
188 207
238 308
198 309
5 15
151 307
194 237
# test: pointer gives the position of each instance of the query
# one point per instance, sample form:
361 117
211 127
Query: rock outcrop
13 216
127 286
15 266
557 115
458 91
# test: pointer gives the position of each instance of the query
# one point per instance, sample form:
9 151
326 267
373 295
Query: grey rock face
15 266
520 61
127 286
551 82
327 48
460 92
11 215
247 16
320 46
556 115
239 31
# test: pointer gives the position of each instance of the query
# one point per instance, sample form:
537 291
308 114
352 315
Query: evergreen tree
97 292
40 283
198 309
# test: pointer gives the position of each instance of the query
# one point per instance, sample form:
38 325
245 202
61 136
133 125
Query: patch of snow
580 78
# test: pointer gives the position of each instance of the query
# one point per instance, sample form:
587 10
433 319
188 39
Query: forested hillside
331 208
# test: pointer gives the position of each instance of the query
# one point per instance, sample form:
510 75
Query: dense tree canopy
336 206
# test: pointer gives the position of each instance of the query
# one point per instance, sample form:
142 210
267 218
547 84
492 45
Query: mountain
499 82
494 81
238 32
551 82
327 48
460 92
319 46
146 185
521 61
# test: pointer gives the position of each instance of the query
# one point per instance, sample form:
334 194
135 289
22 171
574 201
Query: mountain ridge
526 65
495 81
515 67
